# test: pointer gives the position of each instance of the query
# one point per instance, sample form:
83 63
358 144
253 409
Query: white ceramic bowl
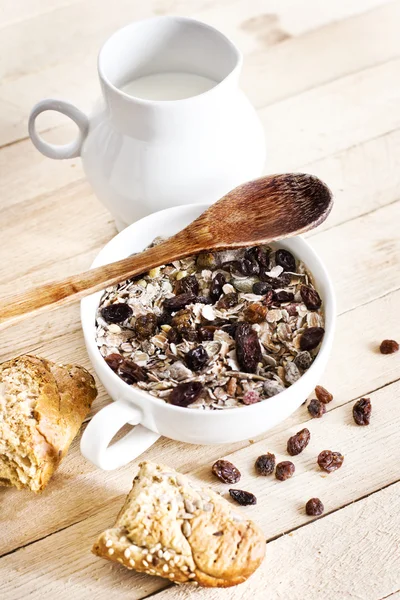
155 416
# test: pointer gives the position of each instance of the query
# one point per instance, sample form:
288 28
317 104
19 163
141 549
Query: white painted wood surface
325 79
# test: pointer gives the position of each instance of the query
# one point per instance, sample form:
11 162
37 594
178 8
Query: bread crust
154 533
56 399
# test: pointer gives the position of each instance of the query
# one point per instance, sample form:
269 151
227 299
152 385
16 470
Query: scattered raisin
314 507
286 260
178 302
226 471
196 358
164 319
298 442
248 350
243 266
276 282
303 360
265 464
217 283
188 284
114 360
203 300
182 320
362 411
251 397
310 297
282 297
388 347
130 372
284 470
330 461
145 326
268 298
206 333
323 395
227 301
173 336
230 329
255 313
243 498
258 254
185 393
311 338
261 288
316 408
116 313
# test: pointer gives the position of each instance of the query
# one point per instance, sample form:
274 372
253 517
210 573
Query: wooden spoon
257 212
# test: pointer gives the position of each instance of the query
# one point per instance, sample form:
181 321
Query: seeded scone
170 527
42 406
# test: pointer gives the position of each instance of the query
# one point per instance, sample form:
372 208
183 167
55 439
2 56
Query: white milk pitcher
172 127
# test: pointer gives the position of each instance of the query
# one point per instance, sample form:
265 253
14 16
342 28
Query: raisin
268 298
292 309
362 411
251 397
185 393
286 260
310 297
227 301
178 302
330 461
388 347
188 284
248 350
226 471
261 288
255 313
116 313
217 283
311 338
314 507
114 360
130 372
230 329
265 464
243 498
298 442
303 360
203 300
174 336
242 267
272 387
182 320
206 333
284 470
258 254
282 297
145 326
276 282
189 334
323 395
316 408
196 358
164 319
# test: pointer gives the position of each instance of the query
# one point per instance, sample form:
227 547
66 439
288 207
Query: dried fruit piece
265 464
258 254
311 338
187 284
178 302
242 266
298 442
227 301
226 471
255 313
276 282
145 326
130 372
217 283
174 337
251 397
286 260
323 395
314 507
230 329
182 320
185 393
316 408
272 387
282 297
284 470
114 360
261 287
310 297
196 358
248 350
330 461
164 319
243 498
292 373
388 347
116 313
362 411
206 333
303 360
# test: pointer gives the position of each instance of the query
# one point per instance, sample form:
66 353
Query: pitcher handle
103 427
71 150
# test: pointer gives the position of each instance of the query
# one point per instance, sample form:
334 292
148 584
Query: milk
168 86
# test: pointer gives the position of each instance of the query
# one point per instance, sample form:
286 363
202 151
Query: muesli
218 330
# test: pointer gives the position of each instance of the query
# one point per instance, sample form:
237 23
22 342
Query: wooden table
324 77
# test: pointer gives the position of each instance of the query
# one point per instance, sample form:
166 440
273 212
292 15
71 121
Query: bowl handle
103 427
70 150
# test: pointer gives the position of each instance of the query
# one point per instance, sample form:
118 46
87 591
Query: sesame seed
192 575
153 572
171 575
149 558
123 539
108 543
145 532
127 553
185 568
176 559
160 554
144 551
166 555
120 560
111 551
145 563
165 568
171 563
132 562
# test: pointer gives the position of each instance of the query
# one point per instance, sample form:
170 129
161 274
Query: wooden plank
280 506
335 557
